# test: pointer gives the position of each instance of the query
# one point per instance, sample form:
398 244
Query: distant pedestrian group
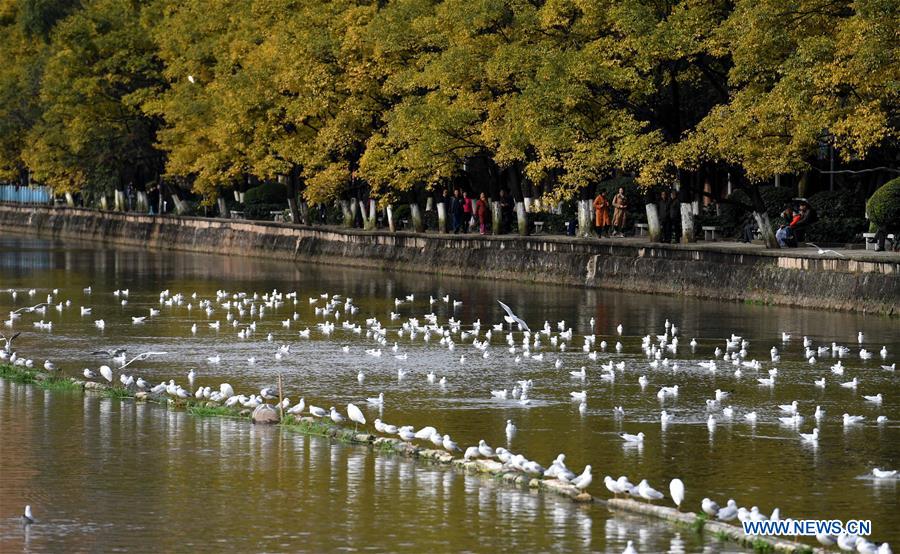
606 226
467 213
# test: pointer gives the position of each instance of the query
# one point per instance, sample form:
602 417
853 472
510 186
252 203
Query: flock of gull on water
242 311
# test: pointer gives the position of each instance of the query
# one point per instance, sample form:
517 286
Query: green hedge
554 224
838 204
841 216
260 201
883 207
847 229
267 193
262 212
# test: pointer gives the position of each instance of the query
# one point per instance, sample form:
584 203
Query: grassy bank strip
493 469
18 374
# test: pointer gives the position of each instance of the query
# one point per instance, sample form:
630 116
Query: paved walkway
804 251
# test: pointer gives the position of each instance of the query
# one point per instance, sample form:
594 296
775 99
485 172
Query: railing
25 195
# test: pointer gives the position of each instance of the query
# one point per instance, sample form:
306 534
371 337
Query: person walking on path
456 210
601 213
620 203
483 213
467 212
665 215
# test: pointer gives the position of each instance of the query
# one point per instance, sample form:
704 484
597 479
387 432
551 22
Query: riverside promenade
849 280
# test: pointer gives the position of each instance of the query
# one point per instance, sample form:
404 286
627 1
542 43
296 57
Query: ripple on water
225 471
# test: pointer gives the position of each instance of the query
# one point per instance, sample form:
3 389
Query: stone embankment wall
864 282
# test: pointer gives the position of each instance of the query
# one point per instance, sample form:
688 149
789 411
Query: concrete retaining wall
866 282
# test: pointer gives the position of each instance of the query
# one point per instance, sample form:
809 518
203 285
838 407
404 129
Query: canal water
103 474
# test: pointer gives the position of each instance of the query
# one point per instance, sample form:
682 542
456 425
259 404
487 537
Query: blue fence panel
25 195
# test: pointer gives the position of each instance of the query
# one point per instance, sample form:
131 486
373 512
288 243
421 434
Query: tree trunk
496 217
292 184
390 218
293 209
528 202
687 224
653 228
304 212
765 228
223 207
522 218
585 209
143 203
429 204
354 207
348 214
180 206
762 216
442 217
368 215
415 214
119 199
70 200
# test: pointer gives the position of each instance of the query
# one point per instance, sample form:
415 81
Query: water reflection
735 459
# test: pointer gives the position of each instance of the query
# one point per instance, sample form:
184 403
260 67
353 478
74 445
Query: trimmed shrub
846 229
883 207
554 224
776 198
838 204
266 193
401 212
430 219
261 201
840 216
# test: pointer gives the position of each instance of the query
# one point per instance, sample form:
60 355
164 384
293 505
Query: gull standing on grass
355 414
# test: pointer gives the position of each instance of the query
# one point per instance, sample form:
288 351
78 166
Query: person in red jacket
482 212
467 212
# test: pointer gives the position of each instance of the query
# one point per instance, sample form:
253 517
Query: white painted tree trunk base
389 210
687 224
653 229
415 214
522 218
585 218
368 215
442 217
766 230
496 217
223 207
348 213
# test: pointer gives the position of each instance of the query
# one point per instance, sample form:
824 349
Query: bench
869 239
641 229
277 215
538 227
237 214
712 232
